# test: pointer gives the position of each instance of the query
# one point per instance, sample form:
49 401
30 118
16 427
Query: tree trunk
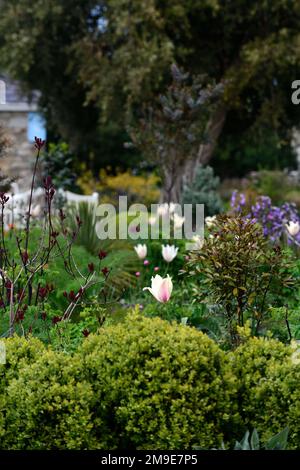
174 177
172 186
214 128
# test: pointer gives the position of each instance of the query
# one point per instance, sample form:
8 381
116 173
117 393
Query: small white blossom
169 252
141 251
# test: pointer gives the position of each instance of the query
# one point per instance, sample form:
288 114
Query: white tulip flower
169 252
293 228
178 221
141 251
161 288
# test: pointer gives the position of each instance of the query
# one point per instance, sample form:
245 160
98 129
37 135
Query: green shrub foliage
19 354
49 405
147 384
161 385
237 270
268 387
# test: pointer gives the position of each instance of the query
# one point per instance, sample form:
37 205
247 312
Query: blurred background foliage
97 63
137 187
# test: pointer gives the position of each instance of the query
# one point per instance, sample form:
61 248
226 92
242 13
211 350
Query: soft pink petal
164 291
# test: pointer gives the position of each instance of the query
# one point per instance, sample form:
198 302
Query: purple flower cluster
238 202
272 218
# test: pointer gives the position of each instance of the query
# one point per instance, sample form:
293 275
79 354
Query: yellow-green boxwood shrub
49 405
265 380
19 354
146 384
160 385
283 405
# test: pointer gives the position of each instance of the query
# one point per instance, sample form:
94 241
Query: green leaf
244 444
279 441
237 446
254 440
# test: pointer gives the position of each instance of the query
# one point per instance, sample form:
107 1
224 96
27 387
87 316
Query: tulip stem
166 271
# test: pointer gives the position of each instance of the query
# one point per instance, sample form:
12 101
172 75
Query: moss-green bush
49 405
266 386
160 385
283 405
19 353
147 384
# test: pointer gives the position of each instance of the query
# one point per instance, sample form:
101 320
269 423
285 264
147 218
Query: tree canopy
96 62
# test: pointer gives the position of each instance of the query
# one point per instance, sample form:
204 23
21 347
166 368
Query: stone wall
20 156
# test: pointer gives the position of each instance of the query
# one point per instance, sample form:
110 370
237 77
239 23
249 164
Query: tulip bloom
293 228
141 251
161 288
178 221
169 252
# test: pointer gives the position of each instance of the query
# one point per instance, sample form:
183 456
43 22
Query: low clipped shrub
159 385
267 387
48 406
283 405
147 384
19 354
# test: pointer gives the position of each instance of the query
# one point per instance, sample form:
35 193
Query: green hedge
160 386
20 354
268 378
49 405
146 384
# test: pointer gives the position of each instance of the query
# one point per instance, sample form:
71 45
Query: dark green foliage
204 191
58 163
109 57
172 129
242 150
237 270
87 236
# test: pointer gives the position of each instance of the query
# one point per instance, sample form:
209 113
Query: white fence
17 205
